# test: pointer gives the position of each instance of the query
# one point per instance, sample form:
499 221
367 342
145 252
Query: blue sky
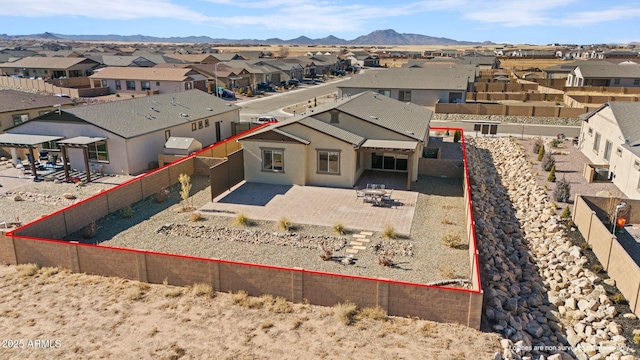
512 21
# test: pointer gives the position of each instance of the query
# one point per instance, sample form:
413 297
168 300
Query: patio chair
359 193
381 186
387 196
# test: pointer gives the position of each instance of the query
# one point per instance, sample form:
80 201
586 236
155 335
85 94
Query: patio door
389 161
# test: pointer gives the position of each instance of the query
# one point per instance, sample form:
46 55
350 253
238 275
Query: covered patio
391 157
29 142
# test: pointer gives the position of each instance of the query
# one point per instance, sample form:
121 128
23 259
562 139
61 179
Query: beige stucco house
45 67
137 80
129 134
17 106
611 136
332 145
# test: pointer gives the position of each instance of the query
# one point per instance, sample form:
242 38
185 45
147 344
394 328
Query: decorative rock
68 196
630 316
609 282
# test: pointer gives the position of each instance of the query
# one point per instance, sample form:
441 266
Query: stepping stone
352 251
368 233
357 243
360 247
359 236
364 240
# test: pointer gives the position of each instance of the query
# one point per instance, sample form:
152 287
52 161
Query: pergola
395 147
78 142
25 141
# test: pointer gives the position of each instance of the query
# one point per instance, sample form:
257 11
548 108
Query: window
335 117
636 165
167 134
118 85
405 95
386 93
131 85
607 150
98 151
157 83
590 131
145 85
273 159
329 162
20 118
389 161
616 81
206 122
596 143
619 151
104 82
42 112
200 124
194 126
636 82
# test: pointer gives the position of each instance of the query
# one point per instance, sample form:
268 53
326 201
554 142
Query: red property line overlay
280 268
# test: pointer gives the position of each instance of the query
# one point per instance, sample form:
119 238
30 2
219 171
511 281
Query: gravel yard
420 258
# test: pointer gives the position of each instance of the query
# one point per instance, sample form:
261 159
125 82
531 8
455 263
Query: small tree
552 174
185 186
541 153
563 190
566 213
548 162
457 135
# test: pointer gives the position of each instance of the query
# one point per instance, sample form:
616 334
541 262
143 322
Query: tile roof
429 77
135 117
12 100
138 73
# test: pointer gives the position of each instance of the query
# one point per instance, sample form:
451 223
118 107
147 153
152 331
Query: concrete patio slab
315 206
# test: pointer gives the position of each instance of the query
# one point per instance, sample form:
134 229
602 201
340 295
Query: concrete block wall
179 271
439 167
125 195
7 251
78 216
255 280
626 272
154 182
329 290
43 253
53 226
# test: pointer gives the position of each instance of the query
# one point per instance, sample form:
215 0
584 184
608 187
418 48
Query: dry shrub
284 224
453 240
266 325
173 292
345 312
243 299
48 271
204 290
89 231
429 329
295 325
26 270
447 272
327 254
446 220
373 313
126 212
339 229
161 196
195 216
386 258
134 293
389 232
242 220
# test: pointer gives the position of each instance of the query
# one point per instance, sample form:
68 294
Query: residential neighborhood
392 196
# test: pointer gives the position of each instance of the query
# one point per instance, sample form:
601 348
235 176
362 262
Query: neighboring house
610 136
17 107
363 59
562 71
481 62
131 133
134 80
424 86
258 72
336 143
196 58
122 61
45 67
223 74
601 74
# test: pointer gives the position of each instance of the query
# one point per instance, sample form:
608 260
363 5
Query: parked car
293 82
266 119
265 86
224 93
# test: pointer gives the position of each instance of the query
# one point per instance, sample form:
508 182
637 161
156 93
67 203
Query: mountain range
378 37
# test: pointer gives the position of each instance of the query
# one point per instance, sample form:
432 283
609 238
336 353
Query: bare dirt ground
86 316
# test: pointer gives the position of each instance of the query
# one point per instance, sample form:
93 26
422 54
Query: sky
500 21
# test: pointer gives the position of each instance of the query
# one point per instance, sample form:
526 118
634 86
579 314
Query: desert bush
566 213
563 190
429 329
345 312
386 258
447 272
327 254
243 299
598 268
195 216
204 290
339 228
457 135
26 270
585 245
161 196
134 293
373 313
552 174
126 212
452 239
548 162
537 145
89 231
278 305
445 220
173 292
618 298
541 153
242 220
185 190
636 339
389 232
555 143
284 224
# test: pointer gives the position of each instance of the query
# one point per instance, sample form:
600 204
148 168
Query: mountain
378 37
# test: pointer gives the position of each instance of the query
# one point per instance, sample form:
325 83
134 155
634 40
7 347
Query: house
562 71
602 74
122 60
222 74
337 142
363 59
45 67
125 136
17 107
610 137
424 86
196 58
134 80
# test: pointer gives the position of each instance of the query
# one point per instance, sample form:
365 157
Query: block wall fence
33 243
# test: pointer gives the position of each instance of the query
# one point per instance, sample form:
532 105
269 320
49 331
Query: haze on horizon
515 21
